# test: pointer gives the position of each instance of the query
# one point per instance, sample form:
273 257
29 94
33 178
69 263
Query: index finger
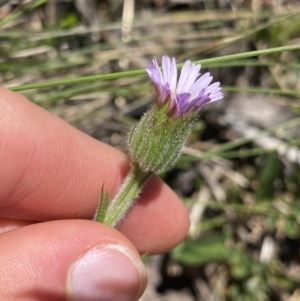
50 170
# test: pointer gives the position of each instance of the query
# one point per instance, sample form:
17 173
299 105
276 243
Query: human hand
51 175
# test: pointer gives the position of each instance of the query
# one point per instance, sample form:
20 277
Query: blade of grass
22 10
142 72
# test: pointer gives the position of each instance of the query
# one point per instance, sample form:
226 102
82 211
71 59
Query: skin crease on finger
52 171
8 224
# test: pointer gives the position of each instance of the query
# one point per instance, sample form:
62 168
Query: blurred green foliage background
239 175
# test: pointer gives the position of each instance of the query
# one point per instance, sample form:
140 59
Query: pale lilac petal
192 76
154 71
173 76
166 66
214 92
216 96
188 75
180 101
166 92
169 72
183 76
200 84
163 88
213 87
197 103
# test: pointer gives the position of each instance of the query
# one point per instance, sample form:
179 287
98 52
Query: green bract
156 141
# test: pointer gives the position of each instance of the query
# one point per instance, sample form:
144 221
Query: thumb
69 260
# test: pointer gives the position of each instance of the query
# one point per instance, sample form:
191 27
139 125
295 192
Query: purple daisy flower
192 91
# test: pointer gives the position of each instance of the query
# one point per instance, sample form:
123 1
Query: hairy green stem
126 196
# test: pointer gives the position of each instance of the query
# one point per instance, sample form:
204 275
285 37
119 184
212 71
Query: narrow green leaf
103 205
269 173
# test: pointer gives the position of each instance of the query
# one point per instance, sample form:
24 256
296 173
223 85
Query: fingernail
107 273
